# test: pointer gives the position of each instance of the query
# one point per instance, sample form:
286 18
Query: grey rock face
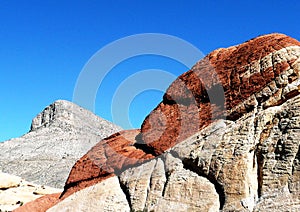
59 135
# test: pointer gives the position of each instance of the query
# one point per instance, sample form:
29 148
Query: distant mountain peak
64 114
59 134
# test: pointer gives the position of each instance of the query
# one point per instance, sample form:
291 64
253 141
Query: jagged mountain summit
59 135
196 152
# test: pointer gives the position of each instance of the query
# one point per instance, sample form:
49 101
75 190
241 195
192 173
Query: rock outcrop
109 192
253 161
15 191
109 157
225 137
227 83
59 135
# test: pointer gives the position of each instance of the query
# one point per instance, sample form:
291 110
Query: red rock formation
191 102
41 204
221 85
110 156
213 88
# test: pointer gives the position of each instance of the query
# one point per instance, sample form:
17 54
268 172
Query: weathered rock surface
252 161
59 135
109 157
104 196
197 152
251 164
15 191
163 184
226 83
41 204
9 181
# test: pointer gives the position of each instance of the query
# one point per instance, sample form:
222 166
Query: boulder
9 181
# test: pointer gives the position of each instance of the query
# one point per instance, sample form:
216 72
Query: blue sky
45 45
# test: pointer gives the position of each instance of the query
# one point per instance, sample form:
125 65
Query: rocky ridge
225 137
59 135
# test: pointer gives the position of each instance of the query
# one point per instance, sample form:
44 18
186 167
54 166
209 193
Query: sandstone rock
41 204
136 182
186 191
59 135
9 181
236 153
163 184
110 156
15 191
104 196
226 83
252 161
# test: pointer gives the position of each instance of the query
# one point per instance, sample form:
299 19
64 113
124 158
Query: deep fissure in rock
125 191
167 175
260 162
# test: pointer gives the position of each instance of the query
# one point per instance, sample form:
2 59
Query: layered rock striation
227 83
225 137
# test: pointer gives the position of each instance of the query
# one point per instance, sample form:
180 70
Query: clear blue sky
45 44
